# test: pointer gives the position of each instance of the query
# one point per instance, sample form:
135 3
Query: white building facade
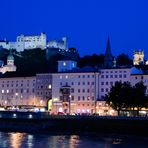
26 42
16 91
80 90
108 77
43 88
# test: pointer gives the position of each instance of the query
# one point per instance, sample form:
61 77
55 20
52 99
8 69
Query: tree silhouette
123 96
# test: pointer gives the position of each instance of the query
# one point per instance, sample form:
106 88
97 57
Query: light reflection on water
24 140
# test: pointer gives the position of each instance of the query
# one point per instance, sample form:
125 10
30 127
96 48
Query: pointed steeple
108 58
108 48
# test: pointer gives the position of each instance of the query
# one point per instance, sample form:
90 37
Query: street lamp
69 104
55 100
5 103
41 102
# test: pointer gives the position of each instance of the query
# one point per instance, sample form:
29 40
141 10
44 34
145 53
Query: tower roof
108 49
108 58
10 57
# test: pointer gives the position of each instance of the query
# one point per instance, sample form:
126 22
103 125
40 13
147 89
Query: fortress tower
138 57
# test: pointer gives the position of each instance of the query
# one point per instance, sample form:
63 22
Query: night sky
86 23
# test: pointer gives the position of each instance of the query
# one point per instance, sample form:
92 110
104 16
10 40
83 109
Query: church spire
108 48
108 58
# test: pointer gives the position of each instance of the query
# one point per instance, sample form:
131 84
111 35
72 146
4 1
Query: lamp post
16 95
69 104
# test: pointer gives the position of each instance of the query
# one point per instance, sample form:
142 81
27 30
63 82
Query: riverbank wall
45 123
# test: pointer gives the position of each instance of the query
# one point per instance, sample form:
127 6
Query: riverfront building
17 91
43 88
75 92
108 77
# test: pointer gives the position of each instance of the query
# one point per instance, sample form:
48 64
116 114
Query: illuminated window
64 64
49 86
2 91
7 91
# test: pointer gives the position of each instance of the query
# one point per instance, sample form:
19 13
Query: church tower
108 58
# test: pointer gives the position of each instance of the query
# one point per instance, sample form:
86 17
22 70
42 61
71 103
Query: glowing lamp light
49 86
55 99
30 116
60 109
14 115
88 110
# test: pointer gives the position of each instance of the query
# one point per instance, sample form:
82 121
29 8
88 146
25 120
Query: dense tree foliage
34 61
123 96
94 60
123 60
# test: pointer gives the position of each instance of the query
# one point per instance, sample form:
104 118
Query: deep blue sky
86 23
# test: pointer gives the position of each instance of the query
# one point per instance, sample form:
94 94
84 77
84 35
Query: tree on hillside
123 60
93 60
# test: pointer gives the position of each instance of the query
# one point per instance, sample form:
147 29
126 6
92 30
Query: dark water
23 140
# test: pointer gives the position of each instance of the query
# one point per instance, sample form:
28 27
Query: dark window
72 90
124 76
72 98
83 98
78 98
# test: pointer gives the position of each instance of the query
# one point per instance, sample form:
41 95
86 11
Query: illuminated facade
17 91
66 65
43 88
10 67
26 42
108 77
138 57
75 92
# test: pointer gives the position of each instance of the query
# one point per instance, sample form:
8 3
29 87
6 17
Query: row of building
74 91
70 89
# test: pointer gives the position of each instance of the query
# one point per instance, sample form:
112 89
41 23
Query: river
25 140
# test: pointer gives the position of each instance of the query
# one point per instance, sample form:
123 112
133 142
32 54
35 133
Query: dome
10 57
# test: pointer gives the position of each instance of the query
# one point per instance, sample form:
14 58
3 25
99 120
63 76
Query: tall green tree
118 96
123 96
140 100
